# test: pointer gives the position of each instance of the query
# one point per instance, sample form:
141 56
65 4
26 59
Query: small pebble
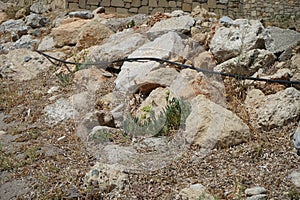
27 58
255 191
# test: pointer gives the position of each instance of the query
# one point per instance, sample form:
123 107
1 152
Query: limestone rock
167 46
117 46
273 110
118 24
26 42
3 17
86 125
47 43
39 8
248 63
204 60
195 192
92 33
180 24
84 14
258 197
80 33
296 139
22 64
91 78
36 21
102 135
60 111
226 21
13 27
282 39
109 177
190 83
162 77
211 125
67 33
242 36
295 178
255 191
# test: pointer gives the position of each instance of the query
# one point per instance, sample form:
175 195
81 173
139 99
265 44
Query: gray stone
190 83
26 42
167 46
86 125
161 77
296 137
247 63
102 135
296 77
14 189
295 178
275 110
195 191
39 8
36 21
60 111
281 74
286 55
258 197
242 36
84 14
211 125
255 191
14 26
180 24
117 24
47 43
226 21
14 66
282 39
108 176
117 46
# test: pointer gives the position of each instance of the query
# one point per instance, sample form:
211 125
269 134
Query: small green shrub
171 118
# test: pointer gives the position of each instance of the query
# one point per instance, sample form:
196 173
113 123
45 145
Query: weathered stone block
156 10
117 3
144 10
172 4
127 5
82 4
188 1
163 3
179 4
122 10
105 3
73 6
153 3
186 7
133 10
110 10
212 3
195 4
136 3
129 1
93 2
144 2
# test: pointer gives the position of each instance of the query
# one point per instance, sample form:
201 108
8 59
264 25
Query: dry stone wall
280 12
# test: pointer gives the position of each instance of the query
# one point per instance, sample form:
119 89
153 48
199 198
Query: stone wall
269 9
152 6
280 12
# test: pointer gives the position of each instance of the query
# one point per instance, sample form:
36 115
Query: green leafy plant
171 118
65 79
